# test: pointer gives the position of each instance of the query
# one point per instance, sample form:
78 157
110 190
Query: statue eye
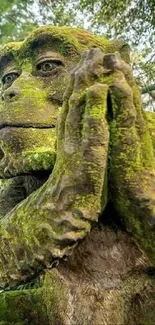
8 79
46 67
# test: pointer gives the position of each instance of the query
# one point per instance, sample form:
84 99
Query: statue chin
22 174
27 157
18 188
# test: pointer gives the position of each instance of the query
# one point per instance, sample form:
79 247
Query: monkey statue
76 150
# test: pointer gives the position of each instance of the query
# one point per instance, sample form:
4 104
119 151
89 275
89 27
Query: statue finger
95 139
113 62
95 127
65 108
90 70
82 76
73 125
124 111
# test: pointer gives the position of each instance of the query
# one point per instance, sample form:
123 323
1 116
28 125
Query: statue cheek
26 150
56 85
26 102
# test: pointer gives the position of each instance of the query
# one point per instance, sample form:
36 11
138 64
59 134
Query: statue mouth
27 157
26 125
26 148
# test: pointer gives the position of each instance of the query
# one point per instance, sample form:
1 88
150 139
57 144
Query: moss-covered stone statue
75 146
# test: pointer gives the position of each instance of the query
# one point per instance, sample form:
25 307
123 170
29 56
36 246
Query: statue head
34 76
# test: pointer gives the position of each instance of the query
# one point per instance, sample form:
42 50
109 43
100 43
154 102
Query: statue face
34 75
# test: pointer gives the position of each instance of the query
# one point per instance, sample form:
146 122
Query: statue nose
11 94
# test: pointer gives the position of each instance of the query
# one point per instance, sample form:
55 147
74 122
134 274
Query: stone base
108 280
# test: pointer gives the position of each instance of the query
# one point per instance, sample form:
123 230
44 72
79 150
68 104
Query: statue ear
125 52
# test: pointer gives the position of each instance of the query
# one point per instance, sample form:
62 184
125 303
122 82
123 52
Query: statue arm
48 224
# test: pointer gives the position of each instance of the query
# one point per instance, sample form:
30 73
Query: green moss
150 116
143 131
68 41
40 160
21 307
131 165
56 297
11 47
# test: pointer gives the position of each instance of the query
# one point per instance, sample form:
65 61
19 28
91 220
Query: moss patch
22 307
68 41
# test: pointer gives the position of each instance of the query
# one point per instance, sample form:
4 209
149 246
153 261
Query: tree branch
147 89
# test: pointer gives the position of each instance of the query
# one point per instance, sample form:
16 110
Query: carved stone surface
75 145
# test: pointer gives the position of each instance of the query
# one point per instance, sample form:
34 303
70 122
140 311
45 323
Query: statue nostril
11 94
1 154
